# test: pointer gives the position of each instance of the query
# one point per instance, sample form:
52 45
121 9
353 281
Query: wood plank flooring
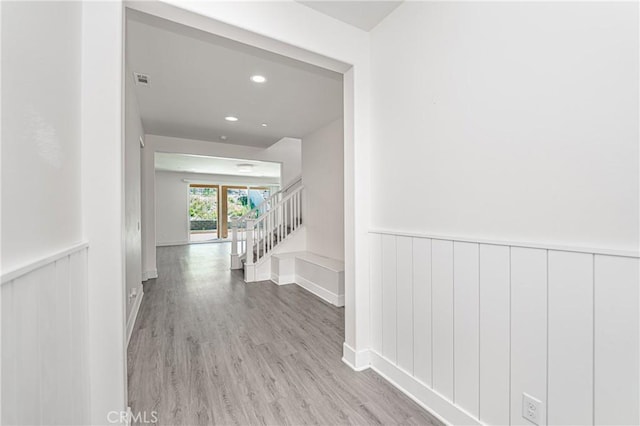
209 349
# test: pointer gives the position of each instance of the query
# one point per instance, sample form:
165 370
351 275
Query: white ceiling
169 162
362 14
196 79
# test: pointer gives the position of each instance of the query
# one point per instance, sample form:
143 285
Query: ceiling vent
141 79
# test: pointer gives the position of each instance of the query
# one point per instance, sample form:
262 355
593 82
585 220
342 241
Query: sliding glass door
212 208
237 201
203 212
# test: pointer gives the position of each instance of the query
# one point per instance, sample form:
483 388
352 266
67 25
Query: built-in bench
321 275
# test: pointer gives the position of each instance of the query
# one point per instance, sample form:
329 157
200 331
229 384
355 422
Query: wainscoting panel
389 296
375 247
404 284
45 343
528 330
493 321
422 310
442 285
466 294
8 359
616 341
570 338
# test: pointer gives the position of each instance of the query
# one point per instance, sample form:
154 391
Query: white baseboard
283 279
131 321
334 299
172 243
150 274
358 361
423 395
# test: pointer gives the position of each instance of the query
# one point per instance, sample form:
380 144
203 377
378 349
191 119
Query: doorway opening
213 208
204 202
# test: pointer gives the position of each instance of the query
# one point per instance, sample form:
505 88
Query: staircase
257 234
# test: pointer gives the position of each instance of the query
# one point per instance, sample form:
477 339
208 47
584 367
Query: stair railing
273 226
268 216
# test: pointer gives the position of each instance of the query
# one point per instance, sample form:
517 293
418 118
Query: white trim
429 399
322 293
150 274
283 279
358 361
131 321
173 243
30 267
557 247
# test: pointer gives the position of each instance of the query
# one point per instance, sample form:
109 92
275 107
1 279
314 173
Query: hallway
209 349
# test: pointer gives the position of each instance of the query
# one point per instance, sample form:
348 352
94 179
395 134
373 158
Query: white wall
44 359
132 197
40 130
499 124
286 151
508 121
103 203
172 201
323 179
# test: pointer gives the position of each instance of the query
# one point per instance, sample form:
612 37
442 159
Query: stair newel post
234 238
249 234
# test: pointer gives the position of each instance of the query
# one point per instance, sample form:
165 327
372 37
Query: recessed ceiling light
245 168
258 78
231 118
223 137
264 124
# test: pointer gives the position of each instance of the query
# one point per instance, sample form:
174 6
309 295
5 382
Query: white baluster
293 212
279 220
286 218
249 243
301 206
266 234
269 231
297 196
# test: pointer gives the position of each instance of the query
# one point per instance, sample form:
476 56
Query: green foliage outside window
238 203
203 204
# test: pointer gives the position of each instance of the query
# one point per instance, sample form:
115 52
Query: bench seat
322 276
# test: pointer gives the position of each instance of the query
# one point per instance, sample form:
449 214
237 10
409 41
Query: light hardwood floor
209 349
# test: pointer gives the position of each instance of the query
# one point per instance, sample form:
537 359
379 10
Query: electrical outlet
531 408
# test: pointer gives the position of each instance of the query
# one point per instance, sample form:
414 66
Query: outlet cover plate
531 408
